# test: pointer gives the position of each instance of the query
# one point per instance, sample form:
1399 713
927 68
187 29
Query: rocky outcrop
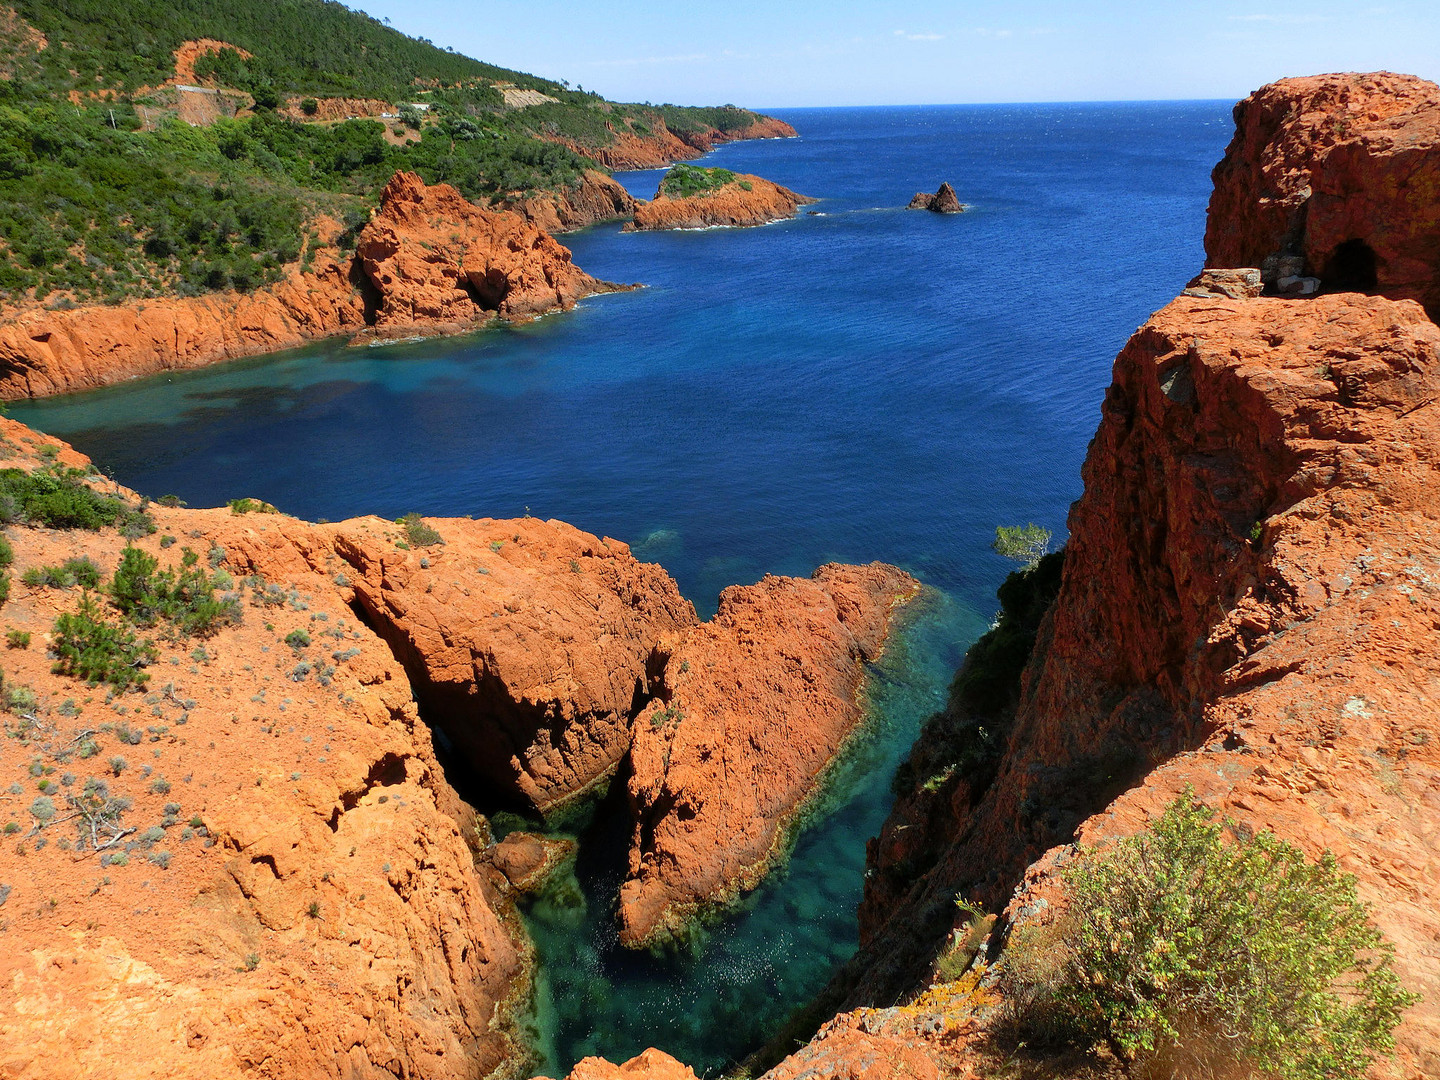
596 198
1332 177
335 108
529 644
751 708
440 262
1244 595
744 201
528 860
428 262
944 201
656 146
285 887
650 1065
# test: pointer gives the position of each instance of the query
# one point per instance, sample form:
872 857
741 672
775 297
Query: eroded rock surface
1248 590
435 259
596 198
745 201
752 707
1339 172
428 262
289 891
652 1064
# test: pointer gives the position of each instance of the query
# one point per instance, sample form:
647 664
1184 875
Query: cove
862 383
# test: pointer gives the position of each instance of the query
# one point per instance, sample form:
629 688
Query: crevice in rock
1351 267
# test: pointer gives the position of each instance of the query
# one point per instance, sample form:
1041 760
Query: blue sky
846 52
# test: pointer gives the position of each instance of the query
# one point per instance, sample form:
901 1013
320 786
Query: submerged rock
944 201
753 706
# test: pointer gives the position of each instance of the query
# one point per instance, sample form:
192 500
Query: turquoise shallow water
861 383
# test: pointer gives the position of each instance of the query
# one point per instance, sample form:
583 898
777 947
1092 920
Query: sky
851 52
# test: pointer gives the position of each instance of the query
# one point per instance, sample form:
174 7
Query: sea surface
864 382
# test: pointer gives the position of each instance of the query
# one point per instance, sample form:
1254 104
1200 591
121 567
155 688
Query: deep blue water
861 383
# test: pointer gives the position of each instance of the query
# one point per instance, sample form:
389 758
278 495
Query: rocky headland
660 146
944 201
597 198
428 262
750 709
738 201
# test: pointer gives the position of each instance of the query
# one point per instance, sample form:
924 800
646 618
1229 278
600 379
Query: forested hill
155 147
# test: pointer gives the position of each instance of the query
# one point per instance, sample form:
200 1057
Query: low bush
56 497
418 533
87 645
184 597
1182 945
82 572
683 181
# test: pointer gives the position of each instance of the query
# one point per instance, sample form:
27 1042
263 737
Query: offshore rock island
695 198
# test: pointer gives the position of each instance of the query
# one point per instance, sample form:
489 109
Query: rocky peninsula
694 198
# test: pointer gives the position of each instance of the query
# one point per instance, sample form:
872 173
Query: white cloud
919 37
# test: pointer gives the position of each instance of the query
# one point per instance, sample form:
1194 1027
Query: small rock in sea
944 201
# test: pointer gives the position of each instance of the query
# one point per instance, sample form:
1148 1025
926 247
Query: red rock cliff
428 262
752 707
1341 171
281 885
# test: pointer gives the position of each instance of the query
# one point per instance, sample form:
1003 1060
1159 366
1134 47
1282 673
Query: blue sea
863 382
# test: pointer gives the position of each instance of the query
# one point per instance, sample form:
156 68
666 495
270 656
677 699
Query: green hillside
107 193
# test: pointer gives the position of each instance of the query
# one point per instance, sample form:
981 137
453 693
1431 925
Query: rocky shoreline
743 202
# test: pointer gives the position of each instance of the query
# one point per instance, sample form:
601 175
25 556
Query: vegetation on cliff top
106 194
684 181
1203 955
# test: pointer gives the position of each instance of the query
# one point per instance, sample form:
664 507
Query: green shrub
249 506
297 639
82 572
418 533
55 497
1026 544
7 553
1234 952
88 646
184 597
17 639
684 181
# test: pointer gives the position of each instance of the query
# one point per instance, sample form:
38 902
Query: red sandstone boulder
1338 172
652 1064
752 707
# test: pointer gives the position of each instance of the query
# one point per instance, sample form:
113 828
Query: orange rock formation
289 891
428 262
1339 171
661 146
746 200
596 198
751 708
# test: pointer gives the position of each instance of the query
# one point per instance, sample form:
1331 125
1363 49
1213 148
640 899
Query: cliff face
745 201
287 888
428 262
595 199
661 147
751 708
1341 172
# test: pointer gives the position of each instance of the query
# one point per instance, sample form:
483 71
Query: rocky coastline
743 202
